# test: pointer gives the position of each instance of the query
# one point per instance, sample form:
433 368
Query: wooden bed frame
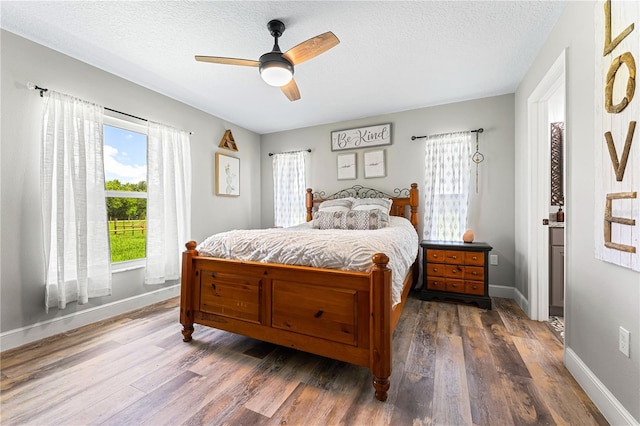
342 315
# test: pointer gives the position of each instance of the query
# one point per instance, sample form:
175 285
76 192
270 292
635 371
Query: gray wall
600 296
22 266
491 213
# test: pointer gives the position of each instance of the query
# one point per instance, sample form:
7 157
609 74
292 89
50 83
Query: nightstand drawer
455 286
454 271
436 284
435 256
474 287
473 273
435 269
454 257
474 258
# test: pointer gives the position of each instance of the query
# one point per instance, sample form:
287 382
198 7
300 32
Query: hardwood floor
453 364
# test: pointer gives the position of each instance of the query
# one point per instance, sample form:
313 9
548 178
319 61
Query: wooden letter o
628 60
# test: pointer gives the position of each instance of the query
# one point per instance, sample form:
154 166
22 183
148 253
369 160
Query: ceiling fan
276 68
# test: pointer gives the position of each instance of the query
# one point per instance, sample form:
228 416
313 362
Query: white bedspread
302 245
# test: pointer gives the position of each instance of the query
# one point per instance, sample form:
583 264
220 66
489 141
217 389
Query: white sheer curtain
74 211
289 188
168 201
447 177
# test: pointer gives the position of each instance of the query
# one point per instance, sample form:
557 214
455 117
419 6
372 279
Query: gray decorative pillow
338 205
383 204
353 219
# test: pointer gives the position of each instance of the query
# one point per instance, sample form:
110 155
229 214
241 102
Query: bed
341 314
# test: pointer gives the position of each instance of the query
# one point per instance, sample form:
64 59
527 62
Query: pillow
338 205
383 204
353 219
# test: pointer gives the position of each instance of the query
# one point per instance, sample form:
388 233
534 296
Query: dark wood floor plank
486 396
513 317
526 404
506 357
452 364
469 315
451 403
448 321
414 406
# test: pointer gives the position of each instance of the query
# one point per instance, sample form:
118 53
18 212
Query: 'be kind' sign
362 137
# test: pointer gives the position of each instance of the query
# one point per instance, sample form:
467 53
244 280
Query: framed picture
362 137
227 175
347 166
374 164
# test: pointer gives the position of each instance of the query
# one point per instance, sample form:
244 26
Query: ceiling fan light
276 74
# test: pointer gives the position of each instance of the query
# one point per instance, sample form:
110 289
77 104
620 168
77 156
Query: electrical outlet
493 259
623 341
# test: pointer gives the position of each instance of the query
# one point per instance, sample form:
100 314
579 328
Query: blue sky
125 155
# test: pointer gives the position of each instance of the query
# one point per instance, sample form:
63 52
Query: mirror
557 190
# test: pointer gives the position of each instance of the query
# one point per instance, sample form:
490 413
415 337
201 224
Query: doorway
546 104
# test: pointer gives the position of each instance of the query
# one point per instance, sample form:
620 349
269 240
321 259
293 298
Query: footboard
338 314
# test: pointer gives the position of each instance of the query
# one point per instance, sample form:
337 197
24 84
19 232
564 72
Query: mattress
302 245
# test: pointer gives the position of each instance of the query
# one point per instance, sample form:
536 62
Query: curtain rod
32 86
289 152
480 130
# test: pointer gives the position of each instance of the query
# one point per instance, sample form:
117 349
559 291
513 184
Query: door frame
539 182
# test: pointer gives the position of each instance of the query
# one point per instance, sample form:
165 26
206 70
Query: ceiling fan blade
228 61
291 90
311 48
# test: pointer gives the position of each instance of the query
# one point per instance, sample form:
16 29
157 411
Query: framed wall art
362 137
347 166
227 175
374 164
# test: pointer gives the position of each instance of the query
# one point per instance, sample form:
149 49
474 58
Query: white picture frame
374 164
227 175
347 166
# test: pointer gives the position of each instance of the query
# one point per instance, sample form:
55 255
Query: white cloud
123 172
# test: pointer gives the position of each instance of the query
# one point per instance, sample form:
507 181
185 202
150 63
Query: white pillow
383 204
338 205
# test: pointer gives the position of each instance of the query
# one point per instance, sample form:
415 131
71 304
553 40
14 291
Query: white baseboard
21 336
501 291
609 406
522 301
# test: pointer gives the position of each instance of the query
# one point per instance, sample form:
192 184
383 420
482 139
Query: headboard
404 202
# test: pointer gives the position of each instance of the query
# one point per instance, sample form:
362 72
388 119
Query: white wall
22 271
600 296
491 213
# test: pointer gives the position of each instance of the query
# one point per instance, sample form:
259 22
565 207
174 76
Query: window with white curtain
447 179
289 188
78 148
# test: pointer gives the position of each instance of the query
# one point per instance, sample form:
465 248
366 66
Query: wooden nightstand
456 270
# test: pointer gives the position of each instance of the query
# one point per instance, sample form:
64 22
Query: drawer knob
435 269
435 255
454 285
454 271
475 257
213 275
475 273
474 287
454 257
318 314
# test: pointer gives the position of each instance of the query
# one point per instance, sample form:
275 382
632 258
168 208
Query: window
125 168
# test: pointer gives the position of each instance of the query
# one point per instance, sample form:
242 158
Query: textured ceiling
393 55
